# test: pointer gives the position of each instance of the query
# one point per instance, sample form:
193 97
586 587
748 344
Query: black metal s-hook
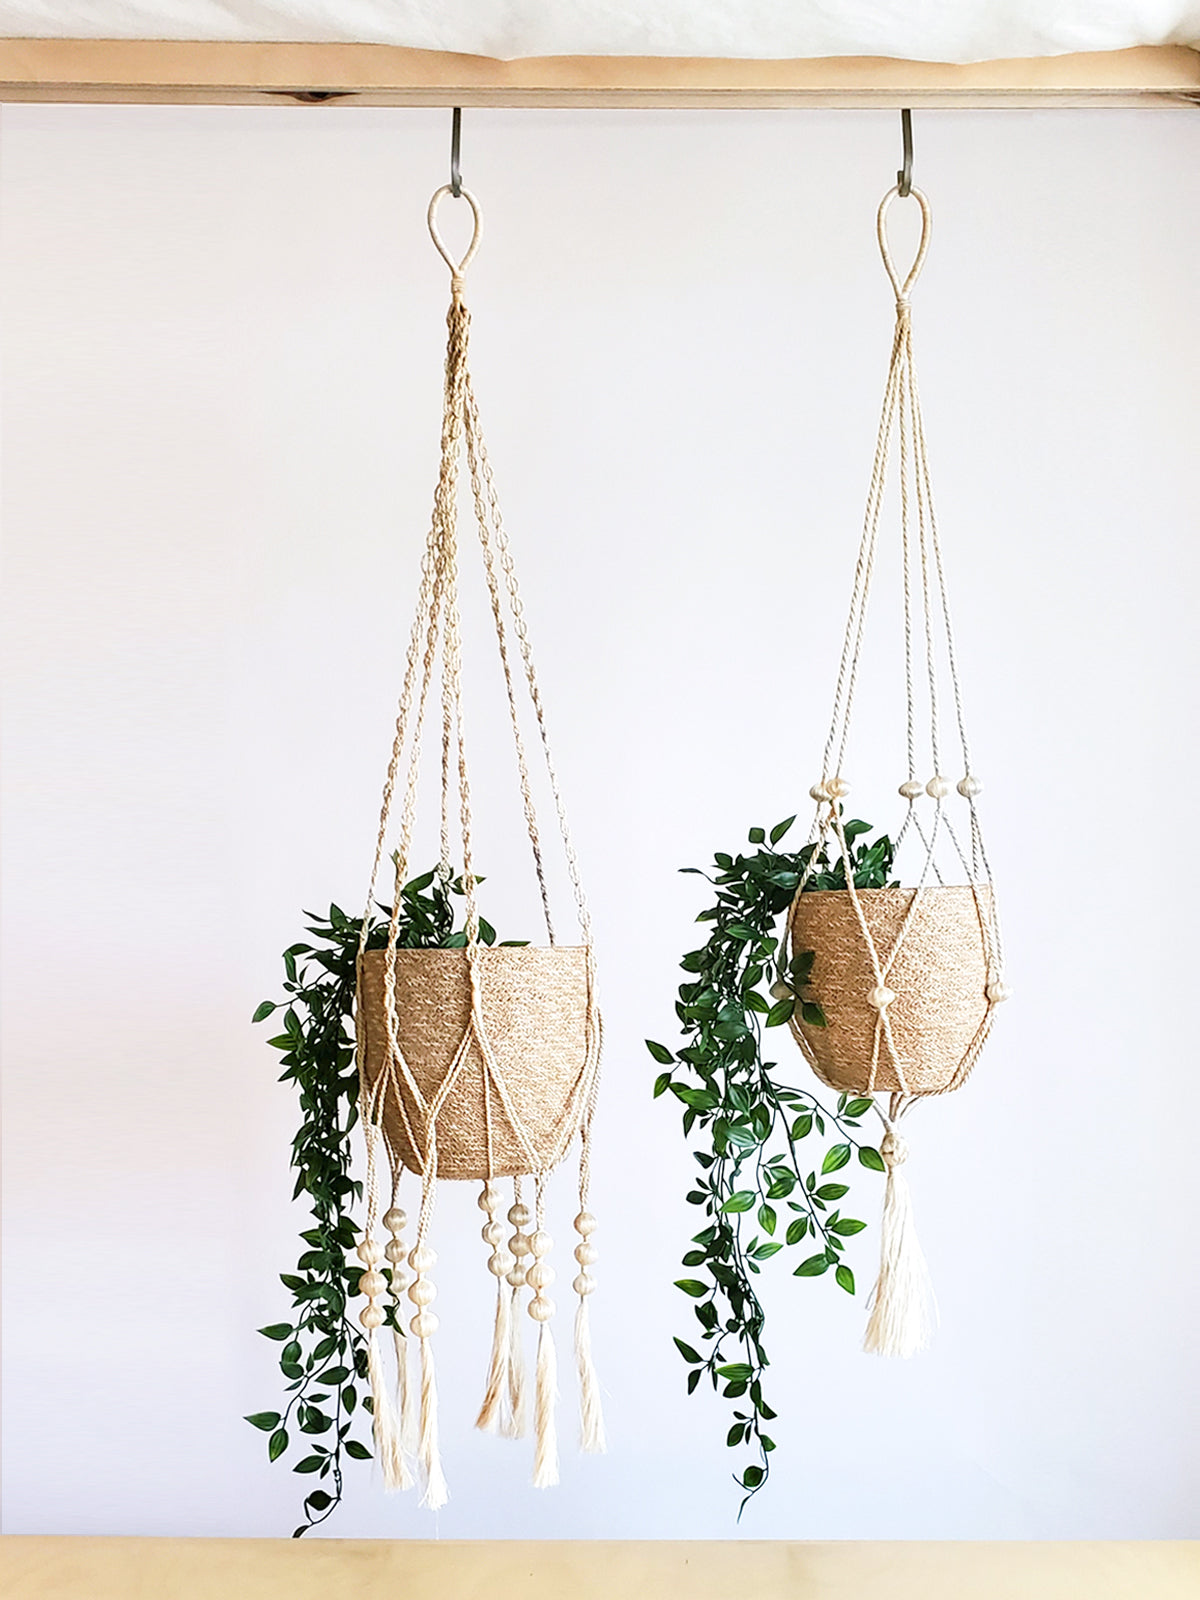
455 152
904 176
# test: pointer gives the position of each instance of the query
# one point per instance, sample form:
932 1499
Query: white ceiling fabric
927 30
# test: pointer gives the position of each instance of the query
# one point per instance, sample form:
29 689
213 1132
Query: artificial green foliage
759 1188
324 1353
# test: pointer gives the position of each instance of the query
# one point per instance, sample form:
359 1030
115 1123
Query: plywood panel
166 71
197 1569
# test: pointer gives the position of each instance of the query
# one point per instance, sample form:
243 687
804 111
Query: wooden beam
40 1568
151 71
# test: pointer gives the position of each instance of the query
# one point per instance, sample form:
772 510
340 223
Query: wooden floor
327 1569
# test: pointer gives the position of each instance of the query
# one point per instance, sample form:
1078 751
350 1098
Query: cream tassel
591 1414
394 1221
541 1308
516 1423
372 1283
545 1458
491 1417
406 1398
903 1310
424 1325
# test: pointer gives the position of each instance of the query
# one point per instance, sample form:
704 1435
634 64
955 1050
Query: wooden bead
586 1254
501 1263
493 1234
913 789
371 1317
422 1259
519 1216
541 1309
541 1243
585 1223
519 1244
820 792
368 1252
584 1284
938 787
540 1276
516 1277
969 787
372 1283
882 997
489 1197
424 1324
422 1293
395 1220
394 1250
838 788
998 992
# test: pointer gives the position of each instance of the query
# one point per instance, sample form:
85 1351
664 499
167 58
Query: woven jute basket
939 979
536 1012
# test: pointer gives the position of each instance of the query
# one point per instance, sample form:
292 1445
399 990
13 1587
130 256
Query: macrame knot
893 1149
903 311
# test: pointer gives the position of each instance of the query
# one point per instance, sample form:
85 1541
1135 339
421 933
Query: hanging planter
475 1062
471 1059
889 987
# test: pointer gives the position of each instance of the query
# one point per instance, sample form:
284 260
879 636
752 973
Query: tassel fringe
492 1418
545 1461
436 1494
516 1422
591 1413
384 1425
406 1398
903 1312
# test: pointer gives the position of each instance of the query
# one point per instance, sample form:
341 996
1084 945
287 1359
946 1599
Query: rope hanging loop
459 267
903 287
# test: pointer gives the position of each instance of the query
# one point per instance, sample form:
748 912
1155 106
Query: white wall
222 346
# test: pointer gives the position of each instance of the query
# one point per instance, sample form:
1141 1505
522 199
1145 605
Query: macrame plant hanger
477 1063
908 978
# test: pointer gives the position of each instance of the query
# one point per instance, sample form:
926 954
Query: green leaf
845 1278
752 1477
738 1372
859 1107
660 1053
743 1200
764 1252
846 1226
780 828
838 1155
781 1012
277 1444
832 1191
766 1219
692 1286
757 836
266 1420
263 1011
358 1451
812 1014
813 1267
686 1351
310 1464
797 1230
661 1084
277 1330
871 1158
318 1499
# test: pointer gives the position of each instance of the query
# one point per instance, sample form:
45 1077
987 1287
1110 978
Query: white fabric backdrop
968 30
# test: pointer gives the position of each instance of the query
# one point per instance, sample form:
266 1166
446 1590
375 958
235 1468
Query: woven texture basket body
939 978
535 1010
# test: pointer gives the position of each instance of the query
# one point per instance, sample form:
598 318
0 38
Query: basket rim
491 950
903 888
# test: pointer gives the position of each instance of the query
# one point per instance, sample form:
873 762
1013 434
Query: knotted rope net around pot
907 978
477 1063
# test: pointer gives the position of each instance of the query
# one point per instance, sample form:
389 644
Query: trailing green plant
759 1189
324 1354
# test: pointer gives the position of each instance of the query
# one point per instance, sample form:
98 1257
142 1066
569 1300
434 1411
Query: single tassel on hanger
541 1308
384 1427
394 1221
491 1418
516 1422
903 1310
591 1414
424 1325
